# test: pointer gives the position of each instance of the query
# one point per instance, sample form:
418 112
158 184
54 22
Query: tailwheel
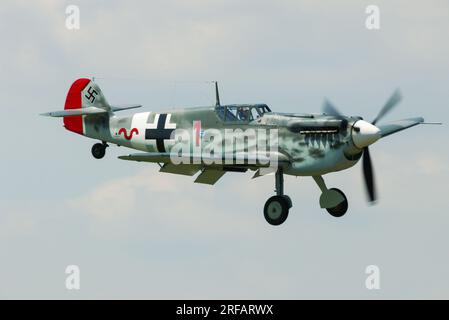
276 209
99 150
340 209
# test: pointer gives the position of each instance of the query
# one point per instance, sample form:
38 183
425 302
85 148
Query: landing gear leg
276 208
99 150
333 200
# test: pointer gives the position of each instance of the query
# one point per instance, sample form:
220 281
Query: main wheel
289 201
340 209
98 150
276 209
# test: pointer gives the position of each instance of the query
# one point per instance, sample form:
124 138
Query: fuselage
314 143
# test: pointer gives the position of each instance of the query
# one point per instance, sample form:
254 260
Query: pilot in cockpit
243 114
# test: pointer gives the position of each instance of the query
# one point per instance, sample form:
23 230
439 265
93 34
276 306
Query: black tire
98 150
276 209
289 201
340 209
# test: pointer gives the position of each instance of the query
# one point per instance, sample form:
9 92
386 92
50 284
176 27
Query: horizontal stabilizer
87 111
125 107
75 112
399 125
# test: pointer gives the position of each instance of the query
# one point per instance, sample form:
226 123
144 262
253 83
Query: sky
135 233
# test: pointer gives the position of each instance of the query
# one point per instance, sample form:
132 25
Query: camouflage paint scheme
309 144
308 154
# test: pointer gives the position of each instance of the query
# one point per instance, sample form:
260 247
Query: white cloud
162 200
17 222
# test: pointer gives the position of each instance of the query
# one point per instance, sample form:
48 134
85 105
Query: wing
210 176
212 168
256 160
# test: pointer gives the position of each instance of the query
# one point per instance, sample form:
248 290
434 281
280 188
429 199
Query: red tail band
74 101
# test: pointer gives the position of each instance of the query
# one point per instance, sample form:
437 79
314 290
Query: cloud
163 200
17 221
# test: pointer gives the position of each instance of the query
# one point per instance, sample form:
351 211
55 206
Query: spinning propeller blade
395 98
368 174
331 110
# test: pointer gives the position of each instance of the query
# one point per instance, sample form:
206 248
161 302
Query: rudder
83 93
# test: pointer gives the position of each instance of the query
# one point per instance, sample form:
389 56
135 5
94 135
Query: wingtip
433 123
124 157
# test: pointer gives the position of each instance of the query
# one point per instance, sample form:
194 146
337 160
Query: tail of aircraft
84 99
83 94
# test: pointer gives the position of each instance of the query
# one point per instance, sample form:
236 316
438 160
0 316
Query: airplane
305 144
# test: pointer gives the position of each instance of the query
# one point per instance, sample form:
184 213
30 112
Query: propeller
368 171
395 98
367 166
331 110
368 174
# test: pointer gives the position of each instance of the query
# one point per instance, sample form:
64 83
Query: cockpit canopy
241 112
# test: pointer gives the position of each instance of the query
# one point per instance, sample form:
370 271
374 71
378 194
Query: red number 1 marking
197 128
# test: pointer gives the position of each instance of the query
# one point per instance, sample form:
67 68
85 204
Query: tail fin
85 99
83 93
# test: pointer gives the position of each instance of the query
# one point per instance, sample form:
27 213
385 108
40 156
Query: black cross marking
92 94
160 133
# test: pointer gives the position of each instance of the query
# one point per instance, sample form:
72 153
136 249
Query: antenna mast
217 96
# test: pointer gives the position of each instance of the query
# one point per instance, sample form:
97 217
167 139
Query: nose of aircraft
364 134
